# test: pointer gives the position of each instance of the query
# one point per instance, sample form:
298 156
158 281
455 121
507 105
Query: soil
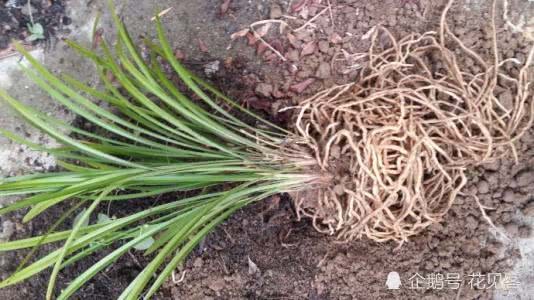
265 252
16 15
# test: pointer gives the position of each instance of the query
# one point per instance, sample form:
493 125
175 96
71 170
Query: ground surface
15 15
264 252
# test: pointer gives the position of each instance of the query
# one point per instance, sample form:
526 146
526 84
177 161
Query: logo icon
393 282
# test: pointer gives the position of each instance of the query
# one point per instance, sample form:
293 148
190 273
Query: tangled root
398 142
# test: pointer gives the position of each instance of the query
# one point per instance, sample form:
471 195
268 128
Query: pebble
301 86
494 166
67 21
252 267
492 178
304 36
509 196
198 262
308 48
323 71
27 9
529 210
8 228
512 229
264 89
216 285
472 223
293 55
525 178
324 46
276 11
506 99
335 38
483 187
212 68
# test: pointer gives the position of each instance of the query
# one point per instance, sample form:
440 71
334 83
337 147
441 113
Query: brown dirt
295 262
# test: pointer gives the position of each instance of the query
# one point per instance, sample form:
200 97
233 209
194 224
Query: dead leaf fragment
97 38
161 14
301 86
179 54
225 6
293 40
335 38
252 267
308 48
239 34
252 39
202 46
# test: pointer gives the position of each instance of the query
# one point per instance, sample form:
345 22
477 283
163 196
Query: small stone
197 263
324 46
216 284
293 55
506 99
8 228
301 86
179 54
472 223
27 9
308 48
525 178
304 36
67 21
212 68
252 267
525 232
293 40
323 71
512 229
339 189
505 217
264 89
509 196
494 166
492 178
335 38
529 210
483 187
276 11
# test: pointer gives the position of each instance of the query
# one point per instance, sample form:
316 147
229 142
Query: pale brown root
398 142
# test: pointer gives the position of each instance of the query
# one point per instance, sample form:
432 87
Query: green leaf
79 217
34 37
36 29
157 140
103 218
144 244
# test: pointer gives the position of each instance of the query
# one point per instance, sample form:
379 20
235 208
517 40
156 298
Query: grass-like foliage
157 140
386 156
